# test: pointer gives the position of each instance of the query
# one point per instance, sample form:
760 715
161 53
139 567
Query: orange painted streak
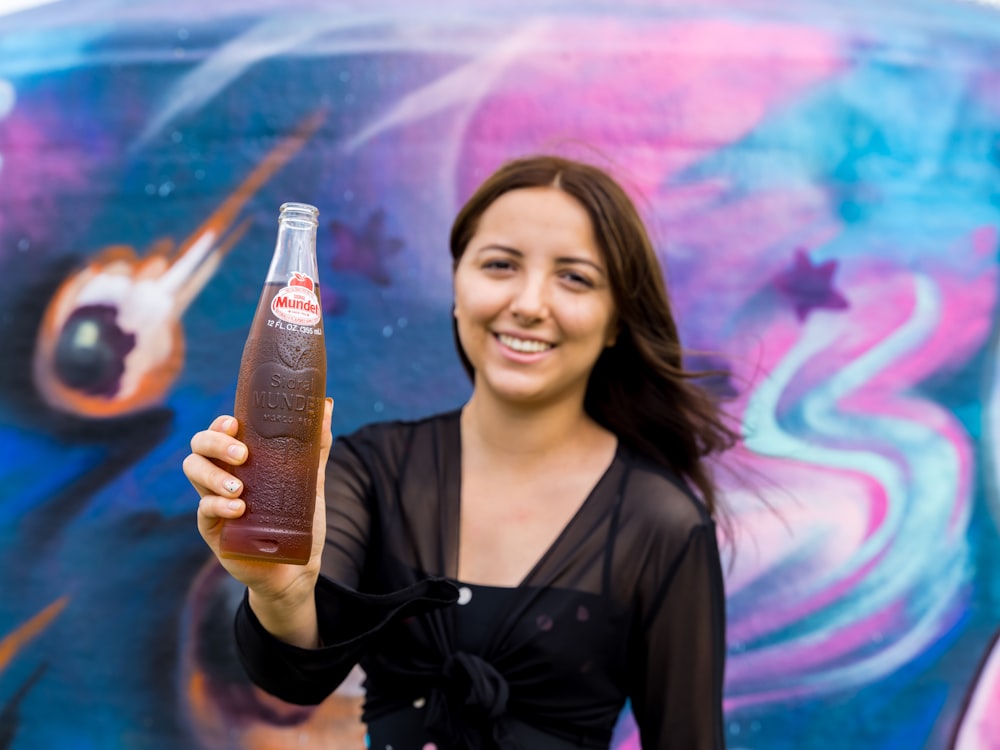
114 254
161 247
280 155
202 706
335 723
156 260
186 295
226 245
17 640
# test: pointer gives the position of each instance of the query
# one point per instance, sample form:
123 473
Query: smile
526 346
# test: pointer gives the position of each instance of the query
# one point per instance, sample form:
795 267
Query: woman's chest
509 522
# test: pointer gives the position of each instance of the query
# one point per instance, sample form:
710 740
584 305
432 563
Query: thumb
326 436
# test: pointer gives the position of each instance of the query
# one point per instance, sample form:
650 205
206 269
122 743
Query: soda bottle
279 402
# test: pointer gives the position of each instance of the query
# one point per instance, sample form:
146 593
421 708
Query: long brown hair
639 388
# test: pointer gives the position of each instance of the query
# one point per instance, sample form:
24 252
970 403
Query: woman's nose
530 301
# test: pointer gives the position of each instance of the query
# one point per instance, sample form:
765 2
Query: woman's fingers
213 506
211 450
208 478
218 442
224 423
213 511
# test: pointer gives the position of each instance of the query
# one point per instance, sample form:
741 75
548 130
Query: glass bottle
279 402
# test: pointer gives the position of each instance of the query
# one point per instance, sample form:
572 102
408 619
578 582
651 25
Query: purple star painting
809 287
366 250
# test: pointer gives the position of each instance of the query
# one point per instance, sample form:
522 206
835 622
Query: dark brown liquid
279 404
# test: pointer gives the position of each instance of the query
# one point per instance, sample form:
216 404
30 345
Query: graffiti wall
823 184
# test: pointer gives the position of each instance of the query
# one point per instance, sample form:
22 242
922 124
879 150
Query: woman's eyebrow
562 259
502 248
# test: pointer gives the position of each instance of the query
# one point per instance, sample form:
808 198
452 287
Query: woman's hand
281 595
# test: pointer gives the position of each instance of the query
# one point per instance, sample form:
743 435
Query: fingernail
236 451
231 485
235 504
228 424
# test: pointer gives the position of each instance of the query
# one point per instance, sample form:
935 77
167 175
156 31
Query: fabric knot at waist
467 708
482 687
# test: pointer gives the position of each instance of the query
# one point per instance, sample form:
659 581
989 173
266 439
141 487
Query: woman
510 573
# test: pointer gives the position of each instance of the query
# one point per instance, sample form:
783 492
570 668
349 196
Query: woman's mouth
524 346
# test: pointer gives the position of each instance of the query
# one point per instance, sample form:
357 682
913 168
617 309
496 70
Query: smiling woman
533 307
510 573
639 388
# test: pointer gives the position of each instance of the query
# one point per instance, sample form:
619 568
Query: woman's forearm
293 623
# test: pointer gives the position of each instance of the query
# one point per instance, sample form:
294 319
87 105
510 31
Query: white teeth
522 345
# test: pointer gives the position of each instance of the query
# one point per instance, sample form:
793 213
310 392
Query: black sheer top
627 603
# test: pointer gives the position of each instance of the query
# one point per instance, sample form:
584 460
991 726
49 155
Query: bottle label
285 403
297 302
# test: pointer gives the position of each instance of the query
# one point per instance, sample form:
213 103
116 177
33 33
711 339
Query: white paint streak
9 7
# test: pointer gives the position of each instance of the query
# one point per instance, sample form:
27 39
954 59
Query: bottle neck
295 248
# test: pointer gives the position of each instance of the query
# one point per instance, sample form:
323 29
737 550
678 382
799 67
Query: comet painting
820 182
111 341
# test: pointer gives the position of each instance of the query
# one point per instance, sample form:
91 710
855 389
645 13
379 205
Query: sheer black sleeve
348 618
677 670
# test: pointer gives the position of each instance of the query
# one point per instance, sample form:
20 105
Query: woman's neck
527 432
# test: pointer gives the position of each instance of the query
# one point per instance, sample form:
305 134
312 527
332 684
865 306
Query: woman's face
533 303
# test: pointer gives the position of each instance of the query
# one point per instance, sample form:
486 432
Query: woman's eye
577 279
498 265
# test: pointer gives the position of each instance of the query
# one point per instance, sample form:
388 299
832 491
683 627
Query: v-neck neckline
454 500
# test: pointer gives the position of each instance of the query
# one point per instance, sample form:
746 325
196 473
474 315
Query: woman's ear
612 338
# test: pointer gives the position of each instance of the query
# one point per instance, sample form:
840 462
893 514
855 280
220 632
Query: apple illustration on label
300 279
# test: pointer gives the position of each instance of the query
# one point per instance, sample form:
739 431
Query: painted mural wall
823 183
